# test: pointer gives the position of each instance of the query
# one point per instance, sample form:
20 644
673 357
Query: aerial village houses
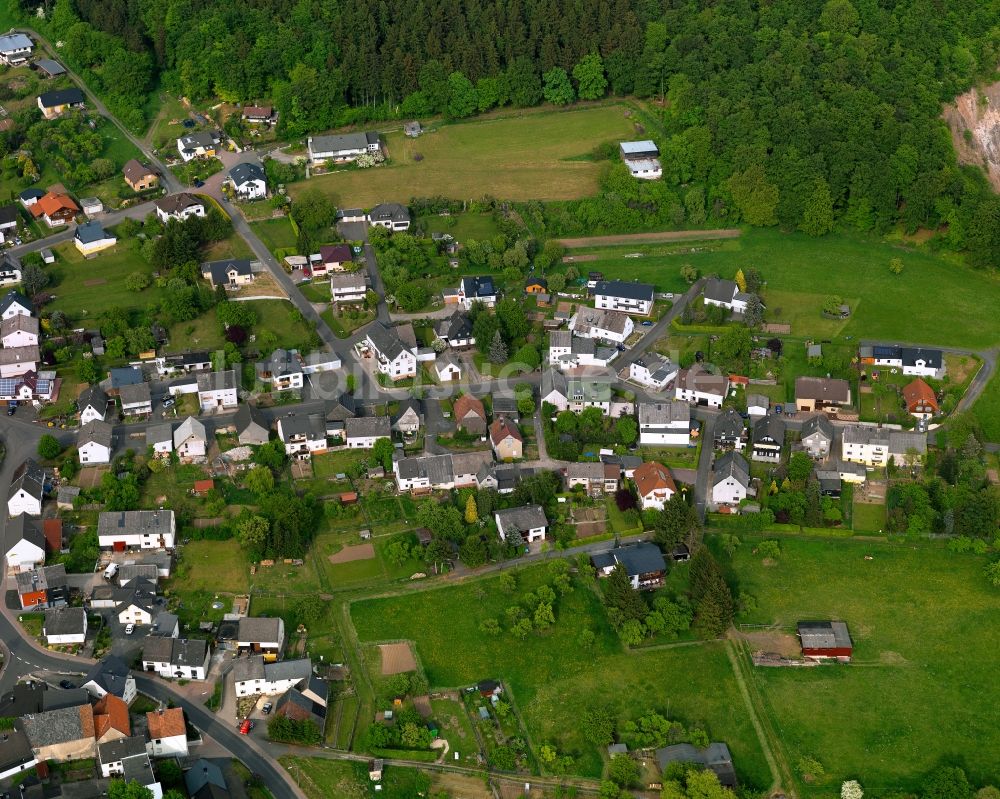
768 439
730 433
178 207
701 387
507 441
654 485
93 404
362 432
94 442
618 295
392 358
19 331
55 209
263 636
217 391
136 529
342 148
15 49
829 395
56 103
333 258
17 361
258 115
643 563
167 733
653 370
27 490
602 324
15 304
730 480
915 361
596 478
470 415
231 273
27 545
528 522
920 399
248 181
391 216
254 676
139 177
9 216
42 587
191 441
348 288
65 626
725 294
303 434
472 290
203 144
665 423
817 436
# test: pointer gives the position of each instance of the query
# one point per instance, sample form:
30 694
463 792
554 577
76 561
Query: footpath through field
652 238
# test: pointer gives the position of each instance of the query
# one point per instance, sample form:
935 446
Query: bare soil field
650 238
397 658
353 553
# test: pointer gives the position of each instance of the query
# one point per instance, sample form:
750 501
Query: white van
111 571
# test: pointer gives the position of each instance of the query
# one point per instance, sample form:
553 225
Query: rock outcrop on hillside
974 119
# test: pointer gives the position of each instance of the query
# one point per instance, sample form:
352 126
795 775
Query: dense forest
793 112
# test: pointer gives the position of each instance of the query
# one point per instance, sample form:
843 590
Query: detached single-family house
258 115
653 370
111 676
231 273
597 478
455 331
113 754
55 103
507 441
470 415
91 238
333 258
93 443
43 587
920 399
15 48
15 304
139 177
619 295
654 485
191 441
137 607
281 372
303 434
817 436
409 417
111 719
699 386
665 423
176 658
161 438
768 439
27 489
472 290
204 780
528 522
136 529
825 394
10 272
217 390
642 159
715 758
730 432
62 735
55 209
203 144
19 331
601 324
392 357
730 480
27 545
344 147
136 399
447 368
642 562
567 352
258 635
825 640
725 294
250 426
167 733
8 223
391 216
348 288
915 361
248 181
18 361
253 676
362 432
93 404
179 207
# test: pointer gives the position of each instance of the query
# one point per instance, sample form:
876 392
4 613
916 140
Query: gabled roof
522 519
918 391
90 232
22 528
502 429
652 476
467 404
111 674
457 326
174 204
134 394
368 426
60 97
125 376
389 212
386 340
134 170
641 558
8 214
823 388
205 139
121 749
203 772
158 433
340 409
11 42
720 290
248 416
732 464
336 253
817 424
602 319
19 323
343 141
625 290
311 425
216 381
54 727
29 477
44 578
13 296
246 173
219 270
53 203
824 634
190 428
166 723
729 424
96 432
769 427
478 286
697 378
20 355
258 629
111 713
65 621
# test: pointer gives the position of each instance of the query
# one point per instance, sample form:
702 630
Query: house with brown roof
470 415
139 177
55 209
62 735
654 484
111 721
921 401
596 478
167 733
825 394
508 443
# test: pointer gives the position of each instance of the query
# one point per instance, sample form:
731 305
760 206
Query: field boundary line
651 238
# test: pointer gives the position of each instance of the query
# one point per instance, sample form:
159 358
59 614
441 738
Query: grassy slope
987 409
553 680
924 663
517 158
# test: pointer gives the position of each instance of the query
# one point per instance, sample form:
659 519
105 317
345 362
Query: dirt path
652 238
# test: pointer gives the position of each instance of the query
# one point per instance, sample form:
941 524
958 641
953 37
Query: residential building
167 733
251 428
161 438
178 207
472 290
258 115
915 361
93 404
18 361
730 480
217 390
642 562
62 735
136 529
333 258
29 197
15 754
91 238
191 441
29 387
507 441
260 635
203 144
665 423
392 357
56 103
231 273
363 432
139 177
140 770
15 48
768 439
248 181
424 473
27 545
348 288
15 304
725 294
281 372
642 159
470 415
654 485
601 324
597 478
505 405
8 225
10 271
305 705
408 417
730 432
176 658
136 399
111 676
343 147
111 719
825 640
619 295
138 607
920 399
715 758
27 490
653 370
757 405
19 331
865 444
113 754
92 206
93 443
455 331
391 216
303 434
907 448
699 386
583 393
254 676
567 352
55 209
42 587
817 436
825 394
447 368
204 780
528 522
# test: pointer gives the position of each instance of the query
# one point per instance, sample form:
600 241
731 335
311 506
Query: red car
246 726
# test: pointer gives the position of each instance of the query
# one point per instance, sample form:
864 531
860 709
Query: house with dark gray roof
62 735
176 658
303 435
362 432
111 676
619 295
392 357
16 754
725 294
258 634
248 181
231 273
27 489
643 563
251 427
252 676
529 522
26 550
730 480
179 207
715 757
113 754
816 436
204 780
65 626
342 147
392 216
730 432
455 330
768 439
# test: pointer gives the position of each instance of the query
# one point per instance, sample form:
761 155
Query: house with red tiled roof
470 415
111 721
56 209
508 443
654 484
921 401
167 733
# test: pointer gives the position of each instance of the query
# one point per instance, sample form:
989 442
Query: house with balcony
618 295
303 435
392 357
665 423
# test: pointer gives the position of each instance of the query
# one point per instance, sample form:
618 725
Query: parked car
198 183
267 708
12 407
66 684
246 726
129 629
169 402
647 323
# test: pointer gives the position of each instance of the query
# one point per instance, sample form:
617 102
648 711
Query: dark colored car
199 183
11 407
66 684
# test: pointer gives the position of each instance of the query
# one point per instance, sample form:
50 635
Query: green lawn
455 727
275 233
533 155
213 566
987 409
922 688
553 680
462 227
869 518
274 315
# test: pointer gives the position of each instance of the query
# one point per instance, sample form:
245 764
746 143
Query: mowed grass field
922 689
987 409
516 158
553 680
